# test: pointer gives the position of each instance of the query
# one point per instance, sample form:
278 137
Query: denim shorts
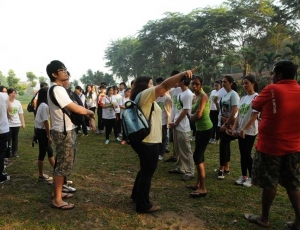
269 170
66 147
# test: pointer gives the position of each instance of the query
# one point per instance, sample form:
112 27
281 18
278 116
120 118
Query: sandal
255 219
193 187
67 206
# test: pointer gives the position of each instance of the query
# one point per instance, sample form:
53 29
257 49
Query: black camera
186 79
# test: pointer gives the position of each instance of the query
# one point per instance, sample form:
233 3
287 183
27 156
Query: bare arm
21 116
248 125
47 128
216 103
80 110
34 104
230 119
198 114
170 82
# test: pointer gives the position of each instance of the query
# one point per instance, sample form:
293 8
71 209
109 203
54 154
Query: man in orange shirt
277 157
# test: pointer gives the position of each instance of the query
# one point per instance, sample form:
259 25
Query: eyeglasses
63 70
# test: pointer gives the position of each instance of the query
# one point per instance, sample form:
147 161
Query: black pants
225 151
4 137
100 120
44 147
109 125
119 123
202 139
162 145
14 138
245 146
148 156
214 119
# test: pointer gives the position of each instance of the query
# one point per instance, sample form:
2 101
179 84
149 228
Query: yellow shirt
145 103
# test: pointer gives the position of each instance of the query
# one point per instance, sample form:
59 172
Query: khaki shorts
269 170
66 147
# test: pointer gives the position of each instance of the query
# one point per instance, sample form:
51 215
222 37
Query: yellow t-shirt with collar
145 103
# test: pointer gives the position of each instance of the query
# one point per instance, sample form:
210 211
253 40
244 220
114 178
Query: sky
76 32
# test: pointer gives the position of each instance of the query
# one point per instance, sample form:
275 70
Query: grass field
104 175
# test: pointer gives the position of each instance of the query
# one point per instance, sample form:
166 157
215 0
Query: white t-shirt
124 100
16 110
173 93
108 112
42 114
228 100
4 126
82 97
165 104
220 93
245 113
91 101
56 113
186 98
122 93
212 105
118 98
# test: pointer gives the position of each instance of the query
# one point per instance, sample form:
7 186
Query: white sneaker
241 180
118 139
106 142
211 141
160 157
221 175
248 182
67 189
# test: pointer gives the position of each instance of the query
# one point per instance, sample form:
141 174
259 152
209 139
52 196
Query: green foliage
12 80
31 79
3 80
95 78
207 89
238 36
43 79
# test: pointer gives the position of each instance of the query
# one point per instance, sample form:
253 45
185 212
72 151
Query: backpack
30 106
76 118
135 125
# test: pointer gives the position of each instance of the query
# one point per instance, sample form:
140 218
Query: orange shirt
279 128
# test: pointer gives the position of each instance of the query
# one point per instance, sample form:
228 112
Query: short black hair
287 69
11 90
52 67
159 80
43 84
123 83
78 87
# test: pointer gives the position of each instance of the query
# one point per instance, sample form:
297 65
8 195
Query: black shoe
167 150
4 178
171 159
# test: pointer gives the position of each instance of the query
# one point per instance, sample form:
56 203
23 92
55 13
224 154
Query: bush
207 89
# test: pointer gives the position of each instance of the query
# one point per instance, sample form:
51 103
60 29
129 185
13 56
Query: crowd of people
181 109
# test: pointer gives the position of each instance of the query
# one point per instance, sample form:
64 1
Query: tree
268 60
3 80
12 80
43 79
31 79
95 78
293 52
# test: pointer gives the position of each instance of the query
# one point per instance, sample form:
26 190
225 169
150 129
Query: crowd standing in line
221 117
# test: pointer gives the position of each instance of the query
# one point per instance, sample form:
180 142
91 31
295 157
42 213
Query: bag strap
136 100
188 115
53 99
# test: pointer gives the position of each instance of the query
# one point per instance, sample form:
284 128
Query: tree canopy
239 36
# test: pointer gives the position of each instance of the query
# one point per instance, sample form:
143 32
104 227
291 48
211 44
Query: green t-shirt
204 123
